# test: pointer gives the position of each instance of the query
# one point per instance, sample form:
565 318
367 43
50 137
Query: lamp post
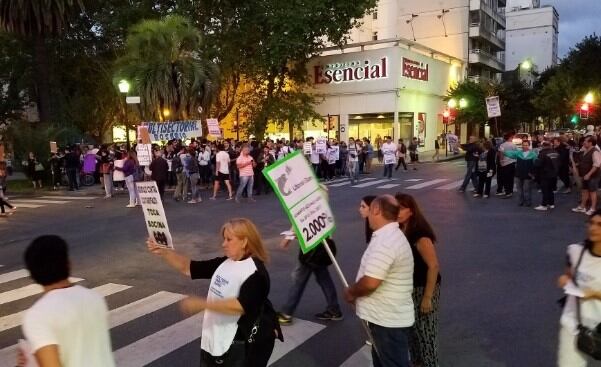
237 124
124 89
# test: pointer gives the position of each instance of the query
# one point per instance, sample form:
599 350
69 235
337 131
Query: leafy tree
38 20
474 94
164 64
517 108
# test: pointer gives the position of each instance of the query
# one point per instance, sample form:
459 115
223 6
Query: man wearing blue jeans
382 293
314 262
472 151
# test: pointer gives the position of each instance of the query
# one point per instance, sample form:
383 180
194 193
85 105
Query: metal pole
126 126
237 124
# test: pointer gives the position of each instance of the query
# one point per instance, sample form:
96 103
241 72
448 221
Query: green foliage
517 108
475 94
34 17
164 65
27 137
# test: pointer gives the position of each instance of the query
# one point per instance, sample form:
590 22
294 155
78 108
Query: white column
396 126
344 127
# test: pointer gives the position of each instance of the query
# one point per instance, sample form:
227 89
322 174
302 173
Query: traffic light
445 116
584 110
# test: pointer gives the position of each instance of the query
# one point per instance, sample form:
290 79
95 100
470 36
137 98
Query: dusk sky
577 19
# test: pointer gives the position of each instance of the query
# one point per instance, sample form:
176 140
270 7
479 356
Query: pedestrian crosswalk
42 201
152 345
381 183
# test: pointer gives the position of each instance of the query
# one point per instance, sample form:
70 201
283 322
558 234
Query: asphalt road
499 263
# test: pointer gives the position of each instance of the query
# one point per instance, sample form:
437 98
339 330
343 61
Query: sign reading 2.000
303 199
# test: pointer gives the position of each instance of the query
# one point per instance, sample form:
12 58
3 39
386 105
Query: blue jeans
245 182
388 170
470 174
300 277
392 345
525 187
353 171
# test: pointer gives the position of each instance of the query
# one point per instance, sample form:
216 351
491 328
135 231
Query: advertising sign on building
493 106
154 213
213 127
415 70
420 128
351 71
303 200
174 130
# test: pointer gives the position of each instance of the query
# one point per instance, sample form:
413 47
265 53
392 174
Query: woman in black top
426 281
237 298
364 212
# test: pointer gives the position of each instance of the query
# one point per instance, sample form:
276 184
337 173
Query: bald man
382 292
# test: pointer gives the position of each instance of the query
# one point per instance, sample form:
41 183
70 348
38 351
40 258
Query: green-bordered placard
302 198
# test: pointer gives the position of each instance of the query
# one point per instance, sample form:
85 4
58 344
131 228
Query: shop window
371 126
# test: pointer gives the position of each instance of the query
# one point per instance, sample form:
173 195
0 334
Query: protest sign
144 152
303 200
493 107
154 213
321 146
307 148
53 147
174 130
143 135
213 127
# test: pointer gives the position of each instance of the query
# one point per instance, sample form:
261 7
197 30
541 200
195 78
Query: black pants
401 161
161 187
483 183
564 176
205 174
507 177
256 355
72 176
171 179
4 203
546 186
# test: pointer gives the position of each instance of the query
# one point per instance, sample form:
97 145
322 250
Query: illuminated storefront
387 91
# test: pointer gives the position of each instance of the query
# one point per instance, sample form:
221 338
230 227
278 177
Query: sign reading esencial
303 200
154 214
174 130
493 106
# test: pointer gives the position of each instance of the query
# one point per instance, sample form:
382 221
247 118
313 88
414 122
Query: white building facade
389 90
470 30
532 34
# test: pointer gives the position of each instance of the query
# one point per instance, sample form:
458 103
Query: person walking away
67 326
583 270
564 164
548 164
388 152
106 169
72 166
315 262
353 161
382 294
589 169
245 164
401 154
413 153
160 171
130 167
524 171
192 176
237 301
436 155
485 169
222 172
472 151
423 342
507 168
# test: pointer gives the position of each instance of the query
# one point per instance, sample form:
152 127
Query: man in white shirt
382 293
222 160
388 152
68 326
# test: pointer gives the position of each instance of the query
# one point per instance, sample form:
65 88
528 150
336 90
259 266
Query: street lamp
589 98
462 103
166 112
124 88
452 103
526 65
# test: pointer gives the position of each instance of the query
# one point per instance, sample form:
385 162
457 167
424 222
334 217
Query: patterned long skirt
423 342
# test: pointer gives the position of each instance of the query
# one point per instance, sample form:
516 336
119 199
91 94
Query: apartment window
375 15
374 36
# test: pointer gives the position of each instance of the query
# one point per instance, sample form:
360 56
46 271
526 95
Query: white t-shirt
353 152
506 147
389 152
76 320
223 159
218 329
587 277
388 258
314 156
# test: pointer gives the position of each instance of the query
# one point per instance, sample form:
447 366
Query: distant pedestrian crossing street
154 344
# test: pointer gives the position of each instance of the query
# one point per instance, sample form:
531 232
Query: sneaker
486 196
284 319
330 315
541 208
590 212
551 206
130 206
193 201
461 190
566 191
230 198
500 194
579 209
212 198
507 196
476 195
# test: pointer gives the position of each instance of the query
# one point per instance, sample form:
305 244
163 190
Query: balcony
478 56
498 15
478 31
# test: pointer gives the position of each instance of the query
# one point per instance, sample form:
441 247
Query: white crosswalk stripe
39 201
388 186
24 292
13 275
451 186
70 197
414 180
348 182
361 358
426 184
372 183
28 206
42 201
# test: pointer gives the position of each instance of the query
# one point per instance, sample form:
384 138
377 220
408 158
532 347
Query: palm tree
164 64
38 20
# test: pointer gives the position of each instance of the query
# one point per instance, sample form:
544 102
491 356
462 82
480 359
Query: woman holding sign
239 325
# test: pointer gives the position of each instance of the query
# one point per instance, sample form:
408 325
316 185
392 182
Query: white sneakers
130 206
579 209
541 208
590 212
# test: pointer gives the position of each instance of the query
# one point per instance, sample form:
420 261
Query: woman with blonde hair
239 325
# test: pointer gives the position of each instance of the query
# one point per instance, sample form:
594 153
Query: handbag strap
576 283
255 328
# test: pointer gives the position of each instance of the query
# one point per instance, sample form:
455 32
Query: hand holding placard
154 213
